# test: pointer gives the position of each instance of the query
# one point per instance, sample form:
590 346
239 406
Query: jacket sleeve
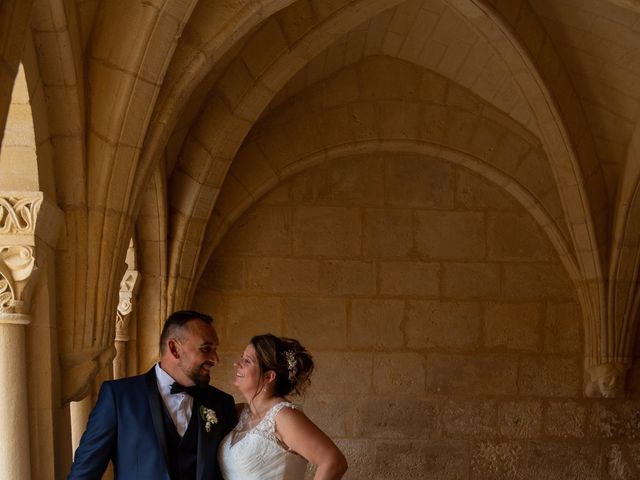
98 442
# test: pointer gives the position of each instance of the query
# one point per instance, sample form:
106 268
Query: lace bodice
256 453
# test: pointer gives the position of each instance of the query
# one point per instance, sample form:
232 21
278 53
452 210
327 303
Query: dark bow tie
193 390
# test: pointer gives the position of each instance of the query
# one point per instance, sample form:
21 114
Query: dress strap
243 418
269 421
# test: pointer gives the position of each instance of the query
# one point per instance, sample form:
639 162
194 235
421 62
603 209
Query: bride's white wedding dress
256 453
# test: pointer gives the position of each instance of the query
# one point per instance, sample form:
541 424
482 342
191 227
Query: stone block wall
446 334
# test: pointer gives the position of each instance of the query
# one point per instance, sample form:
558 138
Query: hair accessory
291 364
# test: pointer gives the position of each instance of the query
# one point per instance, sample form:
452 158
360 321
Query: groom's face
198 351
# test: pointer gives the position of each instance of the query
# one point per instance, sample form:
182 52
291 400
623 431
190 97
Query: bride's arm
303 437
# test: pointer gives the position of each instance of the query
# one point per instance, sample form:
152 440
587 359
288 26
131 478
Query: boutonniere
209 417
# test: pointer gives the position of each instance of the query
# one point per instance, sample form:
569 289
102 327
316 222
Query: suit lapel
205 438
156 406
202 441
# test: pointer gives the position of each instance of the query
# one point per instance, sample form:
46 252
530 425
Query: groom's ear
173 348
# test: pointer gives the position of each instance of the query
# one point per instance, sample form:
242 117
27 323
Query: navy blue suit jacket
126 427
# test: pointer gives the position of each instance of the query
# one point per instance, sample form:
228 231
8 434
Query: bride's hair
290 361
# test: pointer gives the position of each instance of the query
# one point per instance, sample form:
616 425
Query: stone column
79 413
18 214
15 461
128 289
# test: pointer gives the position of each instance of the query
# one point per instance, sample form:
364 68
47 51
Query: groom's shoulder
127 383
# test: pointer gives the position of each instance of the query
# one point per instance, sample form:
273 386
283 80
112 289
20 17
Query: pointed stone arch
235 206
232 109
223 125
431 114
18 160
14 27
542 78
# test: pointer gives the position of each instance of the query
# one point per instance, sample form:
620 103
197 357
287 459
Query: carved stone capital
18 212
125 303
606 380
130 282
128 288
122 327
17 277
27 216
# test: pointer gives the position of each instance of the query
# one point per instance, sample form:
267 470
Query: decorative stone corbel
80 366
606 380
609 347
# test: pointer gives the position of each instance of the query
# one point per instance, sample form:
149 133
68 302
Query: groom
167 423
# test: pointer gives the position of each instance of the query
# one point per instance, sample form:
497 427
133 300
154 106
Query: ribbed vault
167 119
175 99
253 80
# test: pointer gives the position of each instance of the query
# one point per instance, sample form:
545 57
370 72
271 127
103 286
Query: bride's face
247 377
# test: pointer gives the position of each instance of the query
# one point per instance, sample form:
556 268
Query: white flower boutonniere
209 417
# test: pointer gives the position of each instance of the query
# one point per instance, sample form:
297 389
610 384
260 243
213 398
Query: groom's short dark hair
176 322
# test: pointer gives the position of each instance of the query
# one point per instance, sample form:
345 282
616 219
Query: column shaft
14 421
120 360
79 412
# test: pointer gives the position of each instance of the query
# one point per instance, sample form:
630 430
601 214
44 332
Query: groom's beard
199 376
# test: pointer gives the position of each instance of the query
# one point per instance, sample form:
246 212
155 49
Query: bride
274 440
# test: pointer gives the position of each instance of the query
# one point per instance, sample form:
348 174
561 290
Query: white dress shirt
178 405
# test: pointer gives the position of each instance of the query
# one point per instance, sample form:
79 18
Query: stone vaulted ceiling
167 119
